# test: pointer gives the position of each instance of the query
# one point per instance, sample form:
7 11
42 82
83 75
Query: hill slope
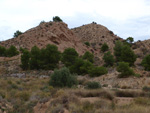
96 34
48 33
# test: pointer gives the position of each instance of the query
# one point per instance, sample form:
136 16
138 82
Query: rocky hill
56 33
96 34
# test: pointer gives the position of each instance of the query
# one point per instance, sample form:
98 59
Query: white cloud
118 15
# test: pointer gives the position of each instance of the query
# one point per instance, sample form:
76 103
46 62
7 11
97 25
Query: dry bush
142 101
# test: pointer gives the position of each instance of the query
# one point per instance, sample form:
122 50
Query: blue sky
124 17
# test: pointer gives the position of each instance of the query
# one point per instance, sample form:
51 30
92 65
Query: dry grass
26 94
94 93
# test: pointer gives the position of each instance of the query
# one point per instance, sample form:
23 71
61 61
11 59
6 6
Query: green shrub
81 66
129 40
97 71
62 78
125 70
127 55
146 62
117 50
88 56
57 19
11 51
46 58
35 58
25 57
17 33
2 51
87 43
104 47
108 59
49 57
93 85
69 56
124 53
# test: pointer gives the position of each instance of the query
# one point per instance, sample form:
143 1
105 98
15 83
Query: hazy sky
124 17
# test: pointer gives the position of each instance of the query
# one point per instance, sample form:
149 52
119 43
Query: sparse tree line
49 57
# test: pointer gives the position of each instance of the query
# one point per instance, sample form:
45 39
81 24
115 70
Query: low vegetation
93 85
87 43
104 47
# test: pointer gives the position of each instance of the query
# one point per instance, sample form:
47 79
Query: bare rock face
56 33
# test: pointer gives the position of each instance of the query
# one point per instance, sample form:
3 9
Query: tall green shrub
108 59
69 56
35 58
117 50
50 56
124 69
81 66
127 55
25 57
146 62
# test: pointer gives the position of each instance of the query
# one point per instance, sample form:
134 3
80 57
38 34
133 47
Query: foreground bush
62 78
125 70
93 85
97 71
